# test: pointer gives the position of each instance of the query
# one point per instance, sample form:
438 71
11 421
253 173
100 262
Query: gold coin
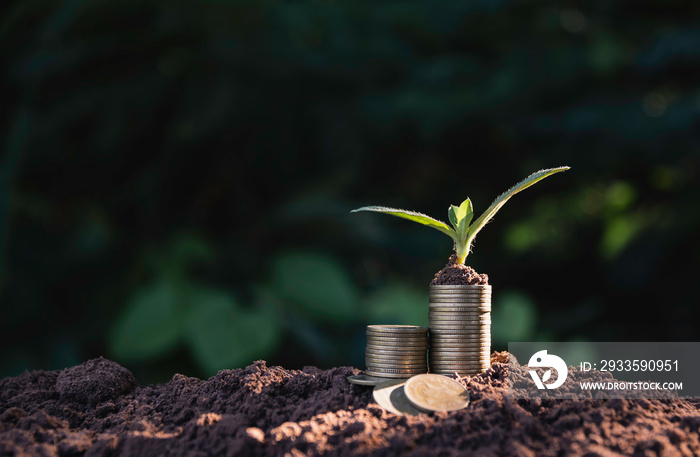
391 396
429 392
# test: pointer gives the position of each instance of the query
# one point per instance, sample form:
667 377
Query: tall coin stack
396 351
460 329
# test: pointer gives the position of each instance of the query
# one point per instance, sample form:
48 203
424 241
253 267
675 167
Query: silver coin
480 309
401 347
457 356
396 328
458 308
364 380
461 315
461 363
461 352
395 353
395 364
391 396
459 286
459 340
393 370
467 323
389 355
391 375
456 332
429 392
416 339
457 345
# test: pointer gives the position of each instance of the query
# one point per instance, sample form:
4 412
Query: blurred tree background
176 176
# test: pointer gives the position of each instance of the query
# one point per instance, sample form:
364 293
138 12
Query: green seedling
463 231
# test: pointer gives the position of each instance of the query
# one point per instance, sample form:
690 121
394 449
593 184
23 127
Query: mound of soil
458 274
261 410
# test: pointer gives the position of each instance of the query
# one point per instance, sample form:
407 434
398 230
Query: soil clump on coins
457 274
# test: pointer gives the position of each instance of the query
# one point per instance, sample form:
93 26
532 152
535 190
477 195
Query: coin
394 352
438 331
380 374
447 352
464 328
430 392
372 371
364 380
396 328
397 341
385 364
471 323
460 287
391 396
459 308
461 314
391 357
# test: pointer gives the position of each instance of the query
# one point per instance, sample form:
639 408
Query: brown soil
96 409
454 274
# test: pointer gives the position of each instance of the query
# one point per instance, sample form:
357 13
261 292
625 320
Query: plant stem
462 251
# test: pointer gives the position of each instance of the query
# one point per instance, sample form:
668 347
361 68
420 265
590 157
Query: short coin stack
396 351
460 329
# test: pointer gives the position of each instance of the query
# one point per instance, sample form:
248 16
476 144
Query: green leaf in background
151 323
412 216
316 284
398 304
514 318
224 335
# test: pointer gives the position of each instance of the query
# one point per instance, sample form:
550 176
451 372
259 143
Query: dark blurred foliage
176 177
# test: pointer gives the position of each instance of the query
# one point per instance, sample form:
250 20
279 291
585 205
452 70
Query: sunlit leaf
412 216
452 214
465 214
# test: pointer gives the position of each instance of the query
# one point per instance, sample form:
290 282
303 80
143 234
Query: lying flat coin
391 396
430 392
364 380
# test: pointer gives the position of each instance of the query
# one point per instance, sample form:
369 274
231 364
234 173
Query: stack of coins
396 351
460 329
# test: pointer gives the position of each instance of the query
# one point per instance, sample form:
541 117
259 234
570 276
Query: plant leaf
222 334
503 198
315 284
465 215
151 322
454 218
412 216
